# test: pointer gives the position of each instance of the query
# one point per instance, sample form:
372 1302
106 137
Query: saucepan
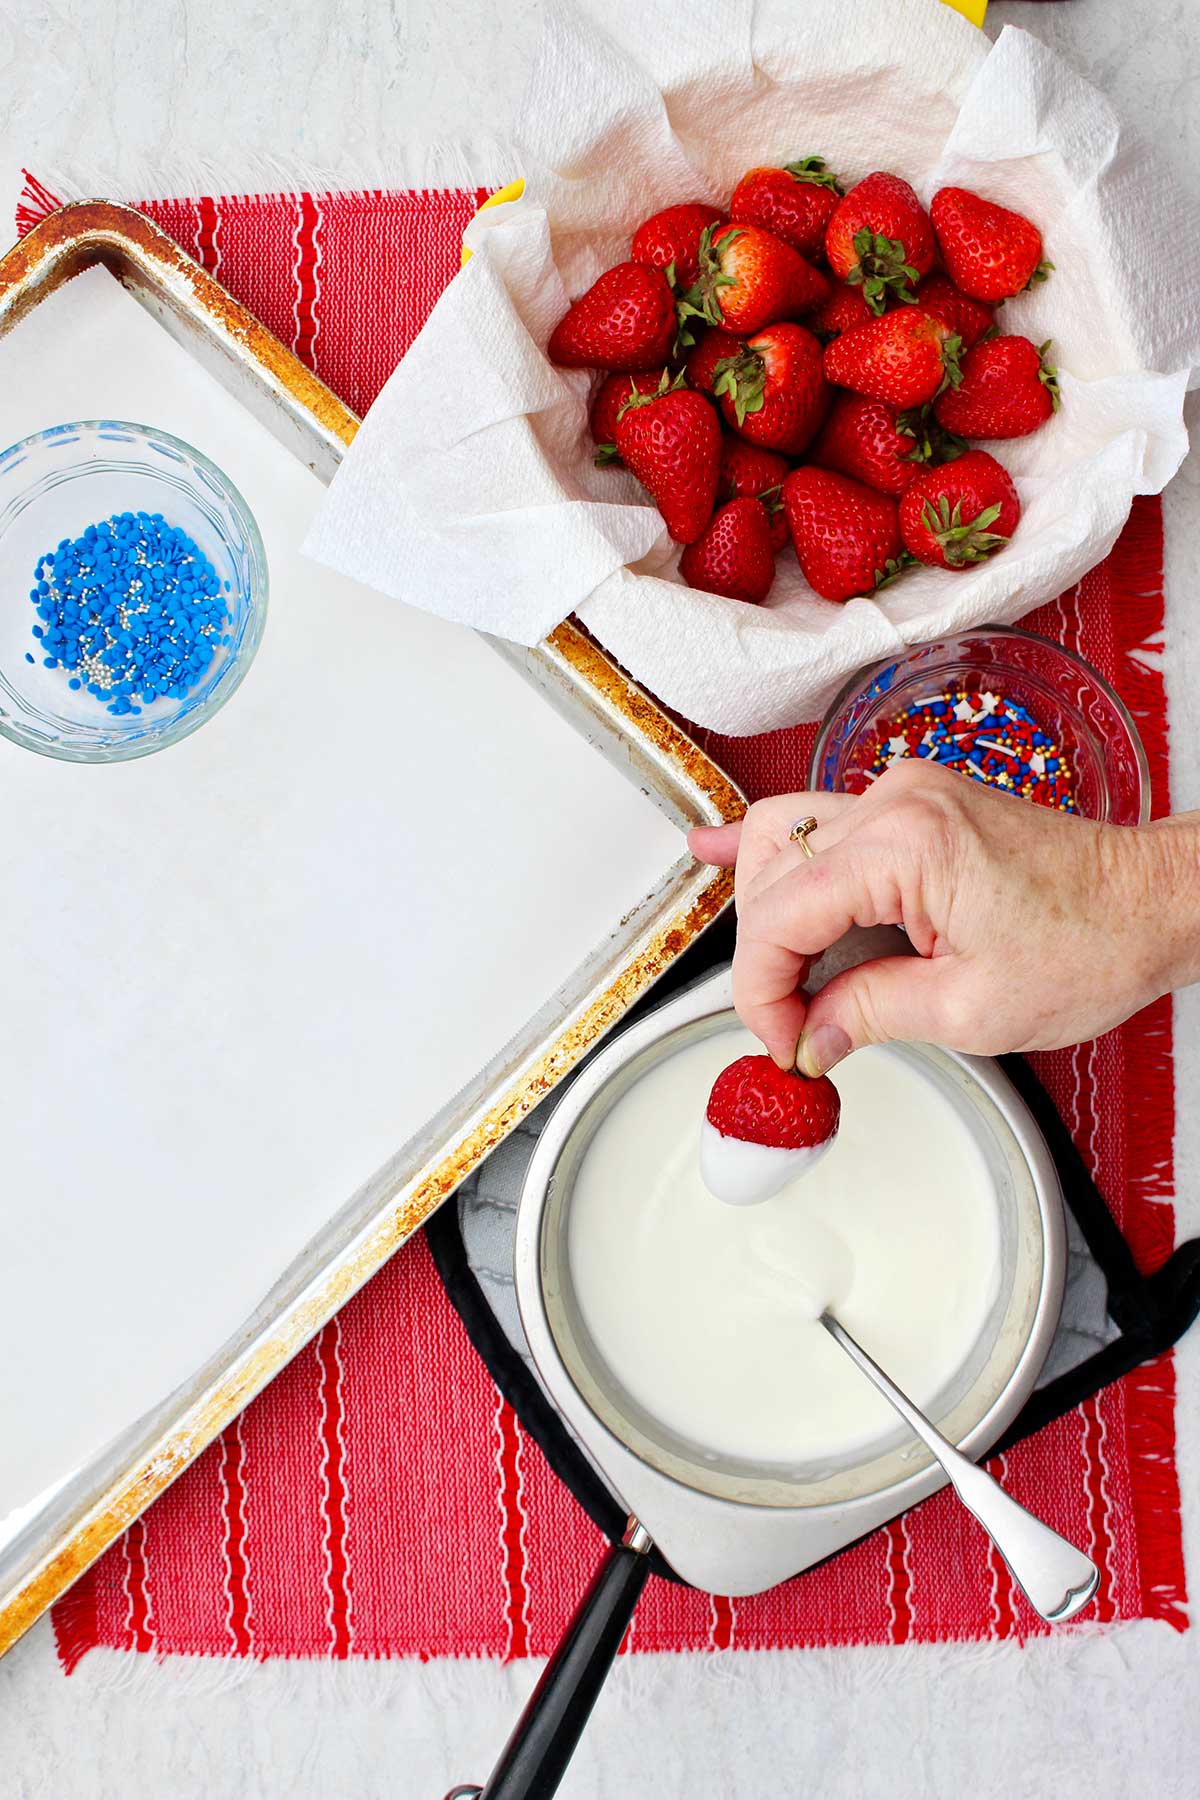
728 1525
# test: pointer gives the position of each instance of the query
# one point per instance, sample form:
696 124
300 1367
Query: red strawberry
670 240
774 392
672 442
711 347
844 309
880 239
960 514
760 1103
989 252
904 358
748 471
1007 390
626 320
847 536
872 442
963 317
795 202
734 555
748 277
611 396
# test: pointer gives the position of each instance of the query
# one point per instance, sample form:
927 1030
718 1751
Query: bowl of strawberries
822 368
809 339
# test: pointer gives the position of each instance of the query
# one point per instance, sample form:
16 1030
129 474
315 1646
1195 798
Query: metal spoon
1057 1579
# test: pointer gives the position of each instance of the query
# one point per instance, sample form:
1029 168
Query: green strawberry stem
1041 273
741 377
962 542
666 386
702 301
1048 375
951 370
815 170
772 498
882 270
606 455
932 443
894 566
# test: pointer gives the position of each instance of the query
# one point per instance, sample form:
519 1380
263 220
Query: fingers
767 973
894 998
812 904
784 922
766 984
792 858
756 841
790 909
772 819
767 821
715 844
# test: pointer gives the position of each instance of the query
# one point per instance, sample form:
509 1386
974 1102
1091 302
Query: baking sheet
237 975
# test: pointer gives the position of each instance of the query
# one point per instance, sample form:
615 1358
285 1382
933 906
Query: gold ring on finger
799 834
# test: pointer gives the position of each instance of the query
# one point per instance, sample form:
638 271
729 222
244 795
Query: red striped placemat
380 1499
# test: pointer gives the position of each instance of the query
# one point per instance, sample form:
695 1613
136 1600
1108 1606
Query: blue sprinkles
132 609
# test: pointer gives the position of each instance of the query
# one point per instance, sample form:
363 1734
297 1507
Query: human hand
1032 928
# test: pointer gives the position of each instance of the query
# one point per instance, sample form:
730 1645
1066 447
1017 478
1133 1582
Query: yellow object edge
513 191
972 10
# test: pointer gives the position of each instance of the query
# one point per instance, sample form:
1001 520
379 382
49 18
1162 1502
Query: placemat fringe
1149 1132
35 203
1137 582
445 166
1154 1490
76 1624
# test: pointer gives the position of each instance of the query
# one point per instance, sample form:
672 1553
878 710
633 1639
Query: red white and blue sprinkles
132 610
984 735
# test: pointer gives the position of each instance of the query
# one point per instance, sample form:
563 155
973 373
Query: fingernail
821 1049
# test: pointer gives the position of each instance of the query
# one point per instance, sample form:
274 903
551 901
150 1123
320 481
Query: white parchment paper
239 974
471 488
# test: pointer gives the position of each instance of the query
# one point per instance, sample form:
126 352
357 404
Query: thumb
716 843
892 997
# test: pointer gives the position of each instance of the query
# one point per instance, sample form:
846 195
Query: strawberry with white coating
762 1128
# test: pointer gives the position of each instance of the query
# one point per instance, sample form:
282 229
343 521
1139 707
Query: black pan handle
535 1758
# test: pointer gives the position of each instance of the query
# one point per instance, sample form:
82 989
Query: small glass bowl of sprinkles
1002 706
133 591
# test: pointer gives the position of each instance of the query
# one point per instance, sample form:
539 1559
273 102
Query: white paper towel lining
470 488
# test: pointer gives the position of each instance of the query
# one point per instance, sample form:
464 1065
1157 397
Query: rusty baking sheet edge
570 669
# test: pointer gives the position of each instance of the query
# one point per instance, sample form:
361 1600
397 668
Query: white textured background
367 92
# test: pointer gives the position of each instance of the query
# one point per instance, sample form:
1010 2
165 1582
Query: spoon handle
1057 1579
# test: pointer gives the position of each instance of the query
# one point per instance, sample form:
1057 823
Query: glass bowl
52 486
1066 696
